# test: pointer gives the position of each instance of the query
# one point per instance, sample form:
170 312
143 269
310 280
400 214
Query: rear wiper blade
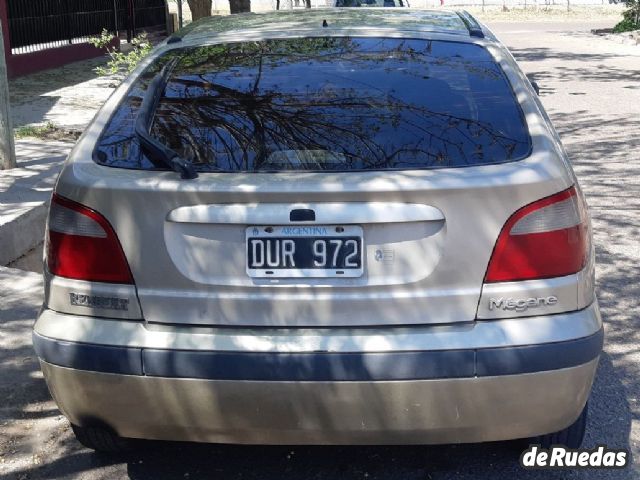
157 152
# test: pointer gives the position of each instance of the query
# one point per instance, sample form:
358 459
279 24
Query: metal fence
41 24
150 14
36 25
134 15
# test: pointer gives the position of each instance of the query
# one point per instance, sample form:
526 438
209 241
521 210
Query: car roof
336 19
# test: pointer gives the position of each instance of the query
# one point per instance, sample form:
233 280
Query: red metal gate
43 34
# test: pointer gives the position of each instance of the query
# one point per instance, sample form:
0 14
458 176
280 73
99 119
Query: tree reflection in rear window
327 104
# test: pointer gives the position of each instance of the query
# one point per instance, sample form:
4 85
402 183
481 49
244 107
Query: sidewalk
24 196
34 433
68 96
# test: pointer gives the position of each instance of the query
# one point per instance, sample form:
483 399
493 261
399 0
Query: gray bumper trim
86 356
538 358
310 366
319 366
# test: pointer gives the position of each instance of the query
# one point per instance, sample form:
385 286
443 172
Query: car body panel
450 292
501 333
469 408
422 300
477 199
254 412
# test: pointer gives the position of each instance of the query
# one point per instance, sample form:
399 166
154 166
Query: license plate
296 251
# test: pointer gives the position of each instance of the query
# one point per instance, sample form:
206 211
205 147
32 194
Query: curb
22 233
25 193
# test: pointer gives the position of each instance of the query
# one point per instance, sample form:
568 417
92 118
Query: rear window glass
327 104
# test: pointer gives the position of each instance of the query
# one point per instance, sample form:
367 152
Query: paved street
591 88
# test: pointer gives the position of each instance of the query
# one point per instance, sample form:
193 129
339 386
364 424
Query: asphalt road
591 88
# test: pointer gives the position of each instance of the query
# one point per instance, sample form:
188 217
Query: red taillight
547 238
81 244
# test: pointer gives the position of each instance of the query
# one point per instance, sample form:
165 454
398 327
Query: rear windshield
326 104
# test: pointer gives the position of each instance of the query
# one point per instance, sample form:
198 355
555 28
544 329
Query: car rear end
384 244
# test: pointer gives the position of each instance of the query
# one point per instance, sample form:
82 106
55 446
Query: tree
631 17
199 8
288 4
239 6
202 8
7 148
180 22
120 64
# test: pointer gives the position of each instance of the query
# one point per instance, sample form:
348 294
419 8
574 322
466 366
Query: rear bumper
268 393
381 412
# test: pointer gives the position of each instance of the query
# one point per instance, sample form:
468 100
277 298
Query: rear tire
570 437
101 439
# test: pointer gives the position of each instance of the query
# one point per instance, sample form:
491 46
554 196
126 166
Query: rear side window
326 104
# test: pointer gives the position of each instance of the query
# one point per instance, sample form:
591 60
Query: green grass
628 24
34 131
48 131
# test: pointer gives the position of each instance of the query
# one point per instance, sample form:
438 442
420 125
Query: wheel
570 437
101 439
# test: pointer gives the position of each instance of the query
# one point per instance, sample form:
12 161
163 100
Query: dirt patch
48 131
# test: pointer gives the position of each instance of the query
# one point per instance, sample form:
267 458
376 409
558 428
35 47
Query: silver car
321 227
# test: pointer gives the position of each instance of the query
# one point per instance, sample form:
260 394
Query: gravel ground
591 89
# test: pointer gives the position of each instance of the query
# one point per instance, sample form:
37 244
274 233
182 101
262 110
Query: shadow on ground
609 412
68 96
590 67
